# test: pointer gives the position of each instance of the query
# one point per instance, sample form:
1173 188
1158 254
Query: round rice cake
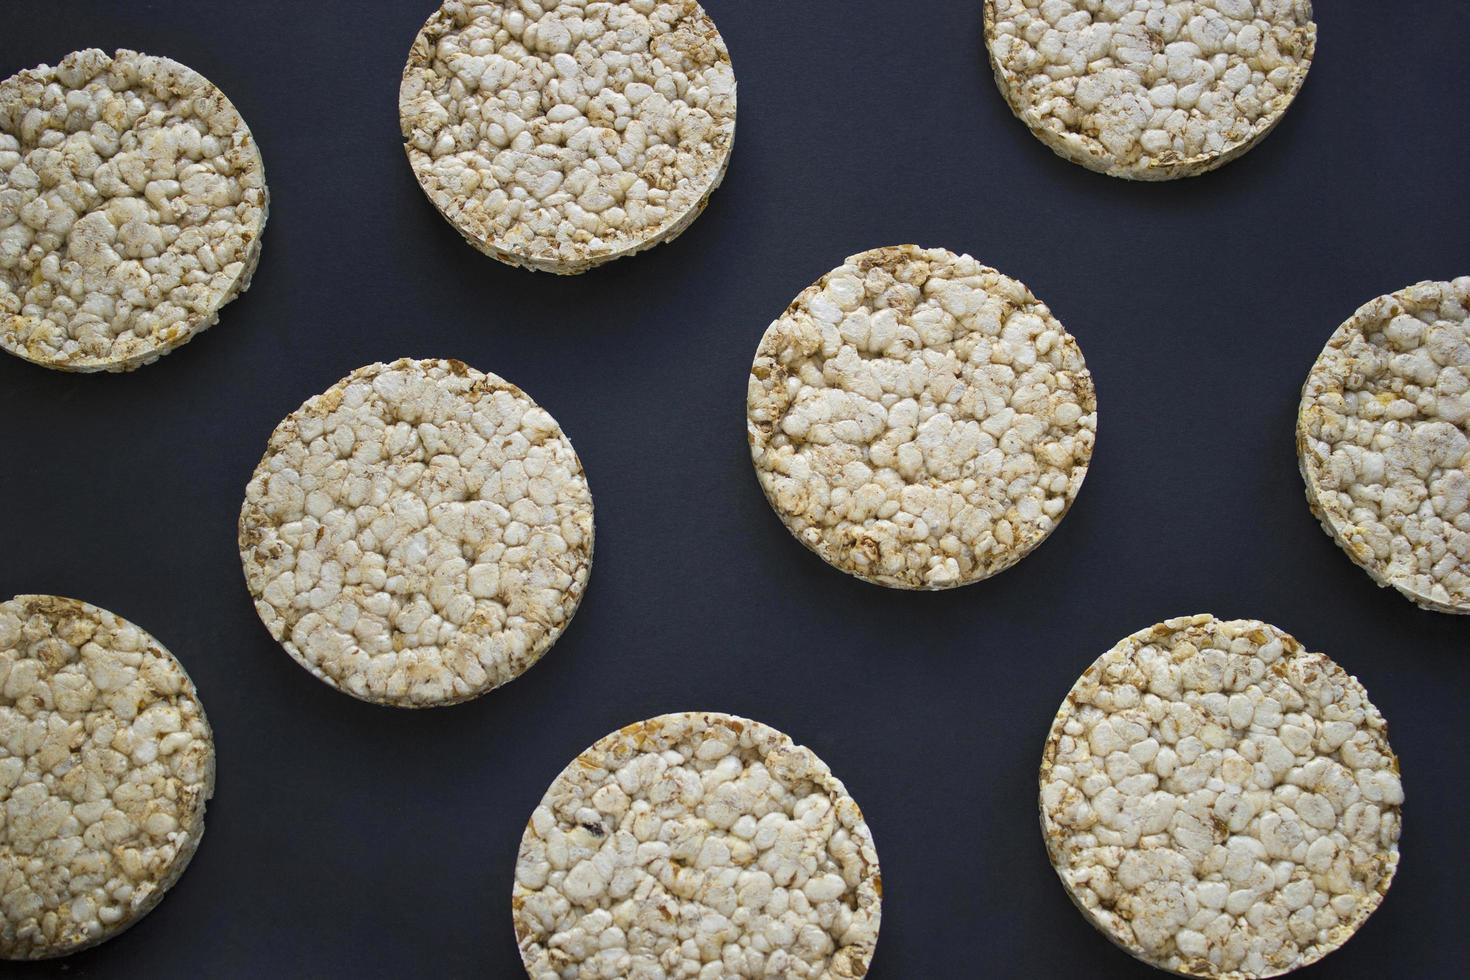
1150 89
1383 438
1220 802
919 420
106 764
697 844
558 136
132 201
418 534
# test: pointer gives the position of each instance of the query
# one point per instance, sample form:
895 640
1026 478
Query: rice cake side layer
697 844
419 534
132 201
1150 89
1383 439
558 136
106 764
919 420
1220 802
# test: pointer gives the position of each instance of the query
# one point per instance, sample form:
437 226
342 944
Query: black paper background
347 840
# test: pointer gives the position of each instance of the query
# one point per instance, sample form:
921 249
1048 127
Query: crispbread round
919 420
132 201
1383 439
1150 90
557 136
106 764
418 534
1219 802
691 843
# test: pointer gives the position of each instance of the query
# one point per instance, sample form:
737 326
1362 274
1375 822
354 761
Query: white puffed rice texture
697 845
419 534
1150 89
1383 438
106 763
1220 802
561 134
132 201
919 420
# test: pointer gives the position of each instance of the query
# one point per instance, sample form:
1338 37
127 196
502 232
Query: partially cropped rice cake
559 136
132 201
1383 438
919 420
1150 89
419 534
106 763
1220 802
697 845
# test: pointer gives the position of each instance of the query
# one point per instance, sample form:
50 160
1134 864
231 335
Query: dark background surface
356 841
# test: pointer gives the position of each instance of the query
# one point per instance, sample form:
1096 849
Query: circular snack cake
693 845
418 534
106 763
1150 89
132 200
1219 802
919 420
558 136
1383 438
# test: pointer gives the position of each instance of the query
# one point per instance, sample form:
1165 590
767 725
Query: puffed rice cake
106 764
132 201
919 420
558 136
1383 439
1220 802
697 844
1150 89
418 534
